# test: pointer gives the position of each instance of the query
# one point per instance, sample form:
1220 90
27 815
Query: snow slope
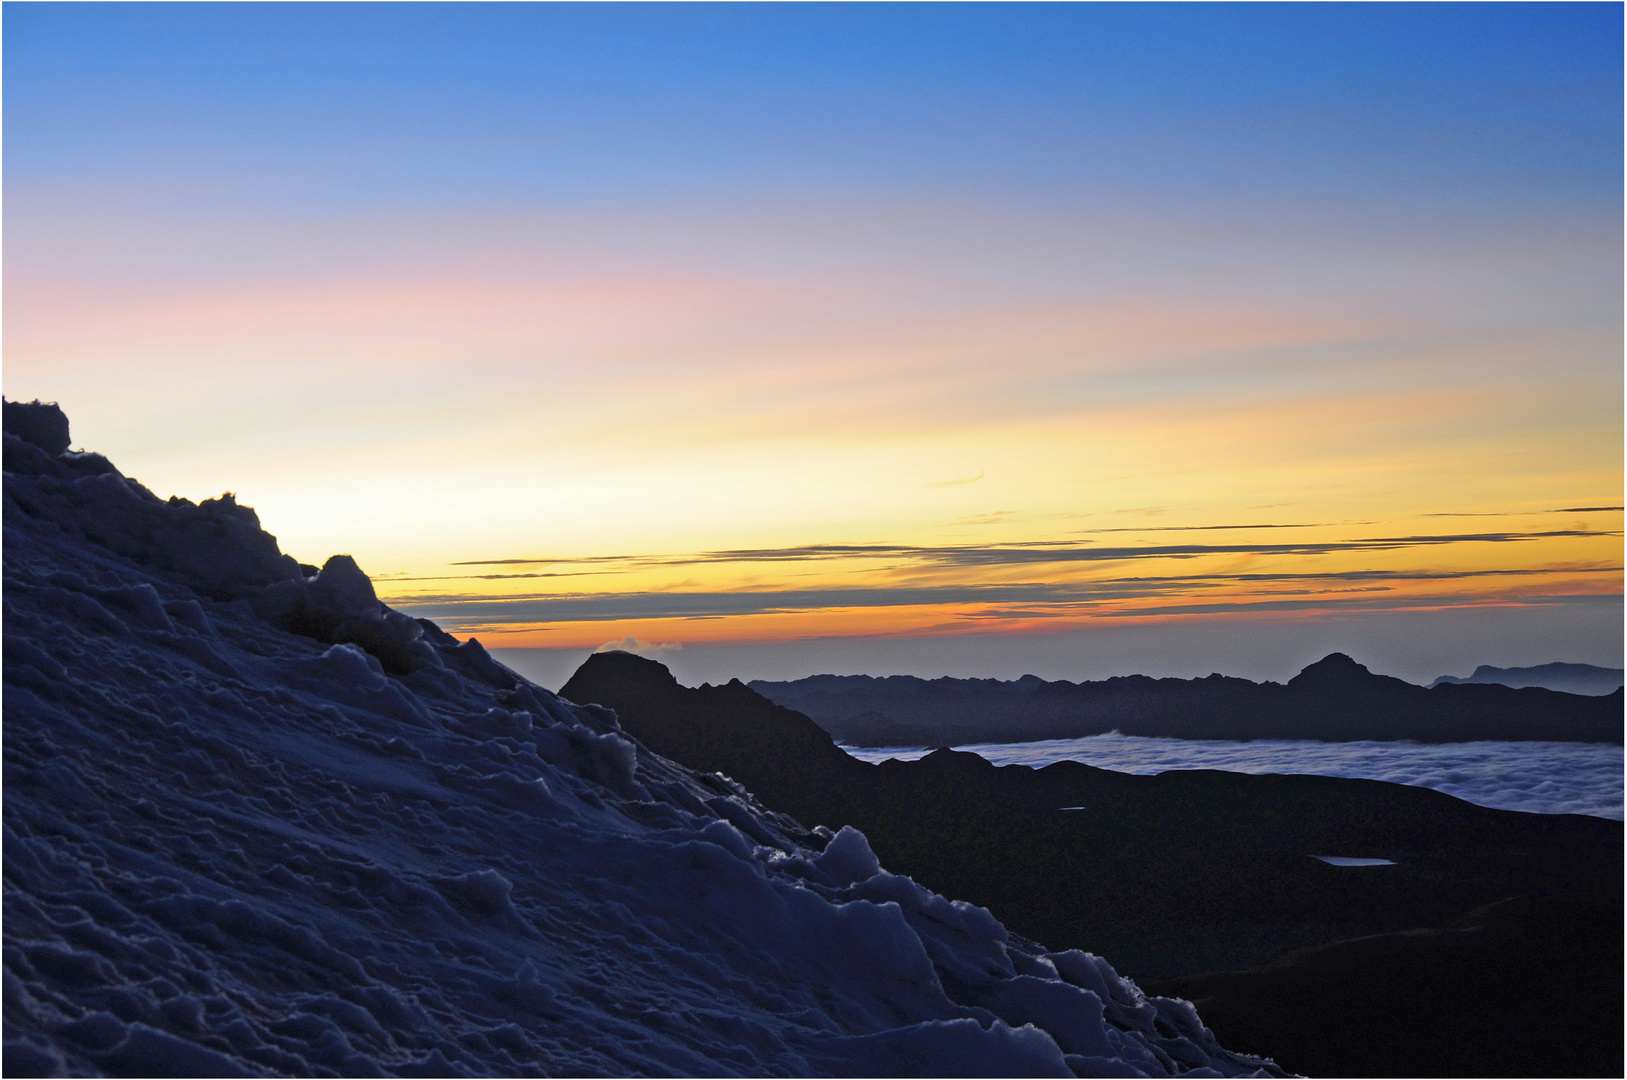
364 848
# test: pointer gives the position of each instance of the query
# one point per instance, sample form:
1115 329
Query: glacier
257 823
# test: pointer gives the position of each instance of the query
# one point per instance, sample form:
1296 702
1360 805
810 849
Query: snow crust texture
367 849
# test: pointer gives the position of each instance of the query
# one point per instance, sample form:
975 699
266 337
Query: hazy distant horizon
1417 647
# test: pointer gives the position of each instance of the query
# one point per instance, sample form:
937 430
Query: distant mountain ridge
1568 678
1333 700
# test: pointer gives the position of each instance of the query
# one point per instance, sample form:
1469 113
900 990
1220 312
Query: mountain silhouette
1335 699
1570 678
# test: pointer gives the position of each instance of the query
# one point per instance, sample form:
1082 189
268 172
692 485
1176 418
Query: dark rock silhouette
215 547
1396 994
1569 678
42 424
1334 699
1182 873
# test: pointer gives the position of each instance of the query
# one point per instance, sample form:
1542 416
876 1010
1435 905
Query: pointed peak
624 665
1334 667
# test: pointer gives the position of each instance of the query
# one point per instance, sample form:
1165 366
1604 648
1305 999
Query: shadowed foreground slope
365 849
1189 872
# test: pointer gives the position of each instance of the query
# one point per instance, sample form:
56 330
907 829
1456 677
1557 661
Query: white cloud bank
1538 777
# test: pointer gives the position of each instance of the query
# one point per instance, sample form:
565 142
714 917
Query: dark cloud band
1041 551
1021 600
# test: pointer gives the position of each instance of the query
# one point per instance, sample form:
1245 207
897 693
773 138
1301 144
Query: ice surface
368 849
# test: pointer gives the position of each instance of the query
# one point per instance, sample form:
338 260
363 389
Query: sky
965 339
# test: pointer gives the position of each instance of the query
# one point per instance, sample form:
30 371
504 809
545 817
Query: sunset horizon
818 539
902 339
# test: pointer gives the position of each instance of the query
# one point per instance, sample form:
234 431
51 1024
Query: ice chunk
848 858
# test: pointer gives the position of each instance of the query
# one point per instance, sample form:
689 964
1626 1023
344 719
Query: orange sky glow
1150 355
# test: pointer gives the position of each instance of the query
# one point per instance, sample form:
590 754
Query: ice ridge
256 823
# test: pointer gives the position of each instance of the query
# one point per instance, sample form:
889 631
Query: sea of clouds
1539 777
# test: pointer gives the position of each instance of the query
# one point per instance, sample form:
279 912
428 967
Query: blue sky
446 284
1447 108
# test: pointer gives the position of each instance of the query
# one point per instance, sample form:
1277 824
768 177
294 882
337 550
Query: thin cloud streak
1330 575
1045 551
493 577
958 482
1528 513
1211 528
1038 599
1410 603
547 562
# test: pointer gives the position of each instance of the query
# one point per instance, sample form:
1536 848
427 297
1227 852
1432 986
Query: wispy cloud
1212 528
551 561
1010 554
1027 599
997 517
958 481
1061 551
493 577
1528 513
639 645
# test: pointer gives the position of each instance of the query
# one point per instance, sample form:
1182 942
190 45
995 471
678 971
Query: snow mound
256 823
337 604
